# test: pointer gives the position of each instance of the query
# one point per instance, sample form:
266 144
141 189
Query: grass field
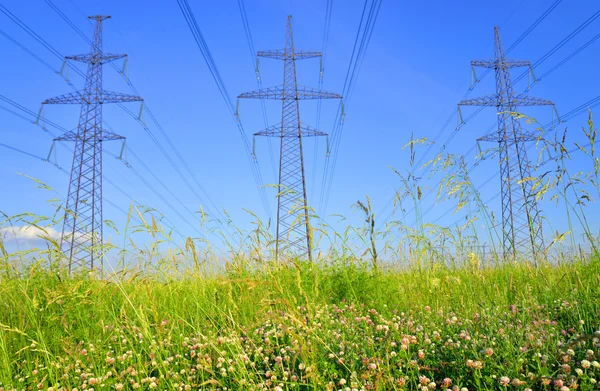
332 326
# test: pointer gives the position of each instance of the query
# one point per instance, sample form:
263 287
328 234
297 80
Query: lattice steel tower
293 229
82 230
521 222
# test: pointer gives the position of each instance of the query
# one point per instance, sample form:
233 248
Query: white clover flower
585 364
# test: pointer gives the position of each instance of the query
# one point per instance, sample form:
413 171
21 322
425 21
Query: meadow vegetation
305 326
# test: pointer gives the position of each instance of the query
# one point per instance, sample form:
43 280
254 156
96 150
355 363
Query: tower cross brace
82 239
521 221
293 228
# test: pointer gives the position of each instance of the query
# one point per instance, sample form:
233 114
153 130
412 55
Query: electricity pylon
293 228
521 221
82 228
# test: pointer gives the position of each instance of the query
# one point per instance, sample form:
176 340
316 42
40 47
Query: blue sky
415 71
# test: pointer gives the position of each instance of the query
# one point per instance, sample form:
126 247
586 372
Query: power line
570 56
190 20
562 43
256 67
67 20
38 58
361 43
28 154
216 211
156 179
29 31
326 29
534 25
361 53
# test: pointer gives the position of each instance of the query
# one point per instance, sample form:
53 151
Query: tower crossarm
524 100
488 101
74 135
78 97
96 58
115 97
276 131
494 100
282 54
495 63
308 131
522 136
279 92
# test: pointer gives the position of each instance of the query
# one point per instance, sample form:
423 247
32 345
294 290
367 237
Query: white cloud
29 232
